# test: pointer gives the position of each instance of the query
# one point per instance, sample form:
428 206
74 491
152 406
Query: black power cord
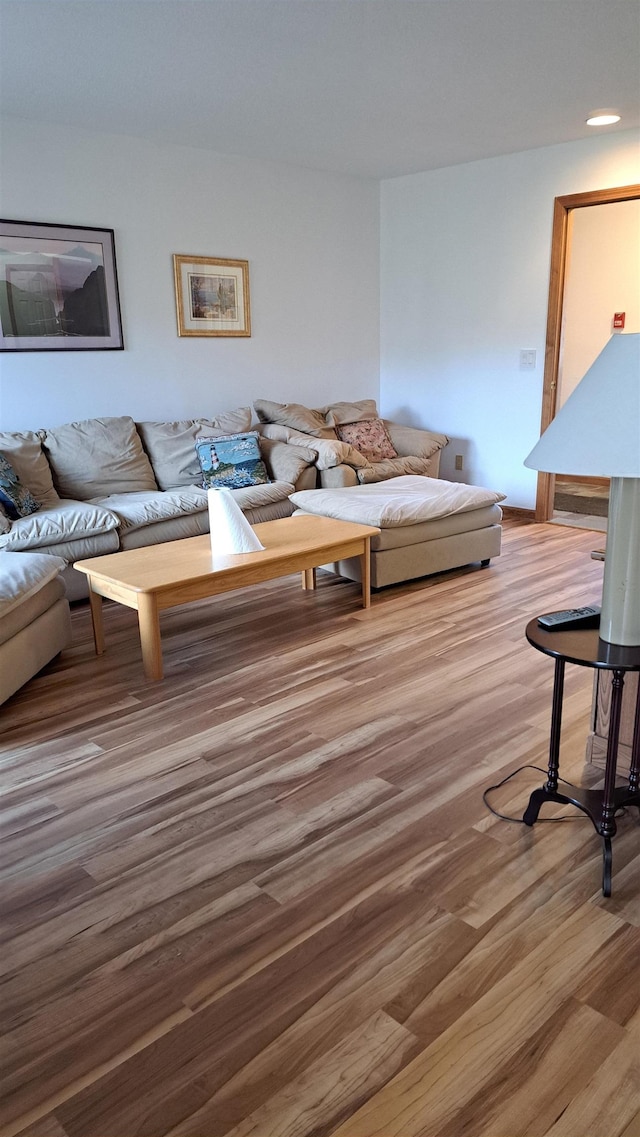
503 817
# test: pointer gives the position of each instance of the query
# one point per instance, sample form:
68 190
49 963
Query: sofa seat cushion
156 522
98 457
66 522
171 445
172 529
24 574
399 502
138 510
272 511
255 497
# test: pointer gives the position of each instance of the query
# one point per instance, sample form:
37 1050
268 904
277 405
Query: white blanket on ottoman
399 501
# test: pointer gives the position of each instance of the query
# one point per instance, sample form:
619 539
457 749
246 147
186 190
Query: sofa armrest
410 441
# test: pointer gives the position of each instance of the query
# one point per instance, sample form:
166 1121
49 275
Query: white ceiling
373 88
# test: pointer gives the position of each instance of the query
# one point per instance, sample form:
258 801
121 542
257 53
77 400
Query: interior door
563 208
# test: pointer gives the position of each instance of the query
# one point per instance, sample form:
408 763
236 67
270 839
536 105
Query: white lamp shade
597 431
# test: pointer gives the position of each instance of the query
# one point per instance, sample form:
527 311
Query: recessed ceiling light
603 118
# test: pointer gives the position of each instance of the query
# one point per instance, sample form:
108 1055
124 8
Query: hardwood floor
264 897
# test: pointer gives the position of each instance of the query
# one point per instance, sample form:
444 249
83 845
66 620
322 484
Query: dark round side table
586 649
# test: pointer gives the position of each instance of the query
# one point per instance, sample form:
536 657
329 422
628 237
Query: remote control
570 618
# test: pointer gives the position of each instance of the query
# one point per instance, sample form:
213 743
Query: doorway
556 328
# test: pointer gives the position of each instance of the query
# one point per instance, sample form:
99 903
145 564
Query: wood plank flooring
264 896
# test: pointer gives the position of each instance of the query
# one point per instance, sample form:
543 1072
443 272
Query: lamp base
620 617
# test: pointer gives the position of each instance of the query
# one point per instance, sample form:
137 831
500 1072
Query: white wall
464 286
602 277
311 240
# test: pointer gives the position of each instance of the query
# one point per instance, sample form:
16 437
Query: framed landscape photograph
212 296
58 288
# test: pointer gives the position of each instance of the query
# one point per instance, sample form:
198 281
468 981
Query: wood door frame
559 241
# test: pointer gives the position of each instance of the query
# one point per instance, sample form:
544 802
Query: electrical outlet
459 465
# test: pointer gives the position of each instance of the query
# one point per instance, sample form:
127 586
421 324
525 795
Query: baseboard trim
516 514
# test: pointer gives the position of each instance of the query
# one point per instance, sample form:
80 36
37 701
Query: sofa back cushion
295 416
23 449
171 445
98 457
336 414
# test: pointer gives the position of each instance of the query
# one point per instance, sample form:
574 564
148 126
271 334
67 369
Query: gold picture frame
212 296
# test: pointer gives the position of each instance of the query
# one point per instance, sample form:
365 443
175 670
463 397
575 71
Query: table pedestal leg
634 771
607 825
538 797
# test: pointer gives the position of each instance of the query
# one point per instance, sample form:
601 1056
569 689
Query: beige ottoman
426 525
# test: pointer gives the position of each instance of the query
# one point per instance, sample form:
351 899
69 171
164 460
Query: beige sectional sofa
106 484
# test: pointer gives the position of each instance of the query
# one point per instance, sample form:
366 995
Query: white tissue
229 529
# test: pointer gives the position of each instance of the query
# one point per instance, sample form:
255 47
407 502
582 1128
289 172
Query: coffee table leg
149 625
309 578
365 561
95 600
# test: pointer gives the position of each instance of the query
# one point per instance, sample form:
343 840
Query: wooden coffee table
161 576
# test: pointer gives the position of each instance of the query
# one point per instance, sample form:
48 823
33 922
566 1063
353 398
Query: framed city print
212 296
58 288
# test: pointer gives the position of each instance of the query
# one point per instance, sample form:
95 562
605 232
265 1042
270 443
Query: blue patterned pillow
17 500
231 461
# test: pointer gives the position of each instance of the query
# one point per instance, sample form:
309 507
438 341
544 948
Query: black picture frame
58 288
